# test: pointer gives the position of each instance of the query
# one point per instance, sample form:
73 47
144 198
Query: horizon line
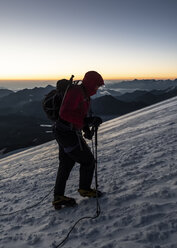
105 78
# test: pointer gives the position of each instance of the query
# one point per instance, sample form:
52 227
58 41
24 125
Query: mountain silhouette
21 113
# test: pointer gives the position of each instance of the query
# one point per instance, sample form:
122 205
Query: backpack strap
86 97
69 85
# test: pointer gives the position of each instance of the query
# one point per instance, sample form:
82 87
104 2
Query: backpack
53 100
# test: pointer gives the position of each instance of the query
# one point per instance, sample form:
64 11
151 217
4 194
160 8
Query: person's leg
65 166
85 158
73 148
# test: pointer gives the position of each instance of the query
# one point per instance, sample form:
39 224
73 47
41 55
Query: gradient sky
121 39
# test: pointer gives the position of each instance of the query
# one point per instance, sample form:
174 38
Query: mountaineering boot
90 193
60 200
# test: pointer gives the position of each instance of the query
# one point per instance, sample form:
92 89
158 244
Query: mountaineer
67 129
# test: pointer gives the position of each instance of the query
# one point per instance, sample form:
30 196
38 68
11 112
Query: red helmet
92 80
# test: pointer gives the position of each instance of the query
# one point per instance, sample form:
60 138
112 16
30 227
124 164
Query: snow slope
137 171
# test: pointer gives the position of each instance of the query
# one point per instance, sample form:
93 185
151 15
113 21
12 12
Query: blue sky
119 38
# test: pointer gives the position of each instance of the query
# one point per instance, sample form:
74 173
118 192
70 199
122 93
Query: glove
94 121
88 134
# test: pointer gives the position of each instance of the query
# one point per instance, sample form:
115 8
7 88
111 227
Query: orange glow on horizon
105 76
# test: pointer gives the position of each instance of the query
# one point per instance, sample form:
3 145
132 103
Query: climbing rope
98 209
32 206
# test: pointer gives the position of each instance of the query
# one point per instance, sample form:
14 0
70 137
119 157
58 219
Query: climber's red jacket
76 102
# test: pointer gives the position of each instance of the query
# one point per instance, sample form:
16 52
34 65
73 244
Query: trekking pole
96 157
96 168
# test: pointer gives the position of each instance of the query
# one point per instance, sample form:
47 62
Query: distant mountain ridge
109 105
148 97
21 112
24 96
145 84
5 92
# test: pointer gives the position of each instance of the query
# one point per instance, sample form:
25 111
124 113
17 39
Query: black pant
73 149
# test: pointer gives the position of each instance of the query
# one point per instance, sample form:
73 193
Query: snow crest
136 170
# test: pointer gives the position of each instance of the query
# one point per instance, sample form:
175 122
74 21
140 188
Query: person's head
92 81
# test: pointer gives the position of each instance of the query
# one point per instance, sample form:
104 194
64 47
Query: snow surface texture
137 171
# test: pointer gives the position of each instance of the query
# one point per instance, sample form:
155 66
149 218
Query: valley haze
23 122
16 85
